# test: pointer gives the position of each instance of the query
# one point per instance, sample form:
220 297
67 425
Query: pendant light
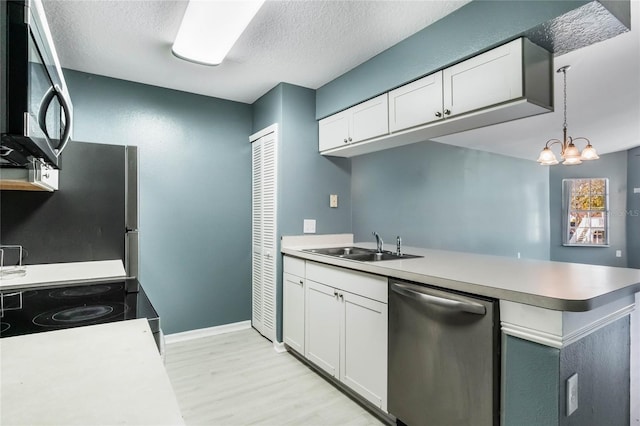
570 153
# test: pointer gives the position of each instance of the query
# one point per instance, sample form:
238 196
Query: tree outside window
585 212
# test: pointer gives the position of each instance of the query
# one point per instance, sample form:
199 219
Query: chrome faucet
379 242
398 246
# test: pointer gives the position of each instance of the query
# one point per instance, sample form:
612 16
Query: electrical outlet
333 200
572 394
309 226
636 190
618 253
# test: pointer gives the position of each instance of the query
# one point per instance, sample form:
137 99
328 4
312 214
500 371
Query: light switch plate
636 190
309 226
333 200
618 253
572 394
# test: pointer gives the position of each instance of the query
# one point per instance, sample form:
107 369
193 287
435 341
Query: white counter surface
107 374
65 273
552 285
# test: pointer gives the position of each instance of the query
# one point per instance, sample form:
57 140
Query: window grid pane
586 209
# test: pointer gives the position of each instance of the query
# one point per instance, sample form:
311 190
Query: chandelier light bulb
547 157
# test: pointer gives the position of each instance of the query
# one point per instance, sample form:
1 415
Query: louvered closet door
264 235
256 235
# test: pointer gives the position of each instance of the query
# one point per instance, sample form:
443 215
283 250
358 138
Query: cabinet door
293 312
363 356
370 119
322 327
490 78
333 131
416 103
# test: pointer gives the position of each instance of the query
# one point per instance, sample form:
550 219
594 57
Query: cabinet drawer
367 285
294 266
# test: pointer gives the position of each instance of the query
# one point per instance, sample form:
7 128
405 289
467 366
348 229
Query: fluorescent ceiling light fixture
210 28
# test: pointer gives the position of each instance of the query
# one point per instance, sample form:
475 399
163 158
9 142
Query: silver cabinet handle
345 140
341 296
350 139
460 304
301 282
438 114
447 112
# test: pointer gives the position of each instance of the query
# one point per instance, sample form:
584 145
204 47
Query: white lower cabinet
363 347
346 333
293 289
323 328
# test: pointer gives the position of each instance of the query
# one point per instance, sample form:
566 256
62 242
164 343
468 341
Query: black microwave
37 114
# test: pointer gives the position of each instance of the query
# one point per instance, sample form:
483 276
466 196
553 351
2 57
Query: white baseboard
206 332
279 347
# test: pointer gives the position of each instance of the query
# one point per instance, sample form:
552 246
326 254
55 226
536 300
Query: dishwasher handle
460 304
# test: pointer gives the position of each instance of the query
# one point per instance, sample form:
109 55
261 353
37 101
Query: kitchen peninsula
103 374
550 315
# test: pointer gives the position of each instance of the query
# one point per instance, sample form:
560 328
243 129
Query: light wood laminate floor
238 379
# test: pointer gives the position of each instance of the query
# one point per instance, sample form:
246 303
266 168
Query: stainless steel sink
377 257
341 251
360 254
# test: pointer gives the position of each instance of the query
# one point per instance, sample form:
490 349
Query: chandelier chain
564 72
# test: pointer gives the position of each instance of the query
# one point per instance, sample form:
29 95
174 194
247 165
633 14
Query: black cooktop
34 310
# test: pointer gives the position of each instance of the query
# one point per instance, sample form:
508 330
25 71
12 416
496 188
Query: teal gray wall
534 380
614 167
601 361
633 207
530 383
268 109
194 231
305 178
477 26
446 197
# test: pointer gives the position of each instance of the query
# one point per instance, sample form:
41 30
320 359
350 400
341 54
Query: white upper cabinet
416 103
361 122
506 83
484 80
334 131
370 119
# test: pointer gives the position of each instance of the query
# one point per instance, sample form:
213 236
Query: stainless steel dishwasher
443 357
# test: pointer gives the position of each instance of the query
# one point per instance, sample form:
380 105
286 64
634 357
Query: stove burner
4 326
91 290
80 315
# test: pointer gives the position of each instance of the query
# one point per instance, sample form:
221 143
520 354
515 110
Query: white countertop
65 273
107 374
552 285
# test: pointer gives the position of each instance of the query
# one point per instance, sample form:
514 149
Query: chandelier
570 154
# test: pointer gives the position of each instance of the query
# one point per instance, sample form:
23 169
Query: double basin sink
360 254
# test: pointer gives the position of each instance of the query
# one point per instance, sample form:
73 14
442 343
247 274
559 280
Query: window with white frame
585 212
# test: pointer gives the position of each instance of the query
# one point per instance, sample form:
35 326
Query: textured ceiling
307 43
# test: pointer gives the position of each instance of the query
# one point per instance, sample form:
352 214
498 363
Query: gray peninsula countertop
552 285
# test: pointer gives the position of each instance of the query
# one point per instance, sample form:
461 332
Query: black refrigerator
92 216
